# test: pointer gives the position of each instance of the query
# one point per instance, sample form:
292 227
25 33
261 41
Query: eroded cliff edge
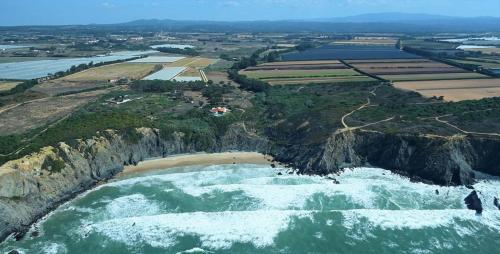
30 187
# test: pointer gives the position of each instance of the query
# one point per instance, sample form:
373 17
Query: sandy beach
205 159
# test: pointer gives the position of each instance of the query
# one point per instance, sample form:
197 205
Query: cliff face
33 185
30 187
438 160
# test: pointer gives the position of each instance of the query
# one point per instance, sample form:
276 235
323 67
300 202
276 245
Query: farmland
440 76
5 85
166 73
368 41
455 90
41 68
110 72
348 52
157 59
304 72
419 69
299 73
194 62
488 63
489 51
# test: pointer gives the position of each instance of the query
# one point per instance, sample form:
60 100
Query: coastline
204 159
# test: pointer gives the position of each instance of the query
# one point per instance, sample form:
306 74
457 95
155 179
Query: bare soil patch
455 90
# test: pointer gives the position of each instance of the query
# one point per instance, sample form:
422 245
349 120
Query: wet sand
204 159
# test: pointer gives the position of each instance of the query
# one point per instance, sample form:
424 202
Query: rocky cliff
30 187
33 185
433 159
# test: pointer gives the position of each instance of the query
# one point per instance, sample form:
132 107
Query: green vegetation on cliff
287 115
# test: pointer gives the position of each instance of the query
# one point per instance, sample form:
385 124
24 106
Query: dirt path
437 118
22 103
354 111
367 104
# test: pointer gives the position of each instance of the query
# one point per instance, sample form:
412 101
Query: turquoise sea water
250 209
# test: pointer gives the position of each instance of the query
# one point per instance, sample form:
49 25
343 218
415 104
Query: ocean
253 209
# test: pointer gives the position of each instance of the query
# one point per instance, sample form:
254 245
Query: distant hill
366 23
388 17
376 22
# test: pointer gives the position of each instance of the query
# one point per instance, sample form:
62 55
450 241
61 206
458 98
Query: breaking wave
251 209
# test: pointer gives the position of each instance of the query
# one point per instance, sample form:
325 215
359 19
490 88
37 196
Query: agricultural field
404 70
300 65
157 59
112 72
272 74
483 62
7 85
455 90
368 41
440 76
166 73
192 66
348 52
487 51
41 68
431 45
193 62
304 72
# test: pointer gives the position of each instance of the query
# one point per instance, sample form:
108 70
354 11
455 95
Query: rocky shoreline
34 185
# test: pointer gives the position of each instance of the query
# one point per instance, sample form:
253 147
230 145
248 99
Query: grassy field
114 71
455 90
38 113
7 85
440 76
193 62
300 73
190 72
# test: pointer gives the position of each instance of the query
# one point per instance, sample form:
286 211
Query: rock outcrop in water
496 203
32 186
474 203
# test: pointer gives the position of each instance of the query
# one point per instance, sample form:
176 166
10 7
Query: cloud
108 5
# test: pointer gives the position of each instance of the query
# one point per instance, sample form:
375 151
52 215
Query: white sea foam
418 219
194 250
130 206
215 230
288 196
54 248
208 175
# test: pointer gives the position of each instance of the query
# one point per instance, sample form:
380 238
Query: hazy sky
42 12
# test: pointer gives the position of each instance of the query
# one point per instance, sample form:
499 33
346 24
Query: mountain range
376 22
